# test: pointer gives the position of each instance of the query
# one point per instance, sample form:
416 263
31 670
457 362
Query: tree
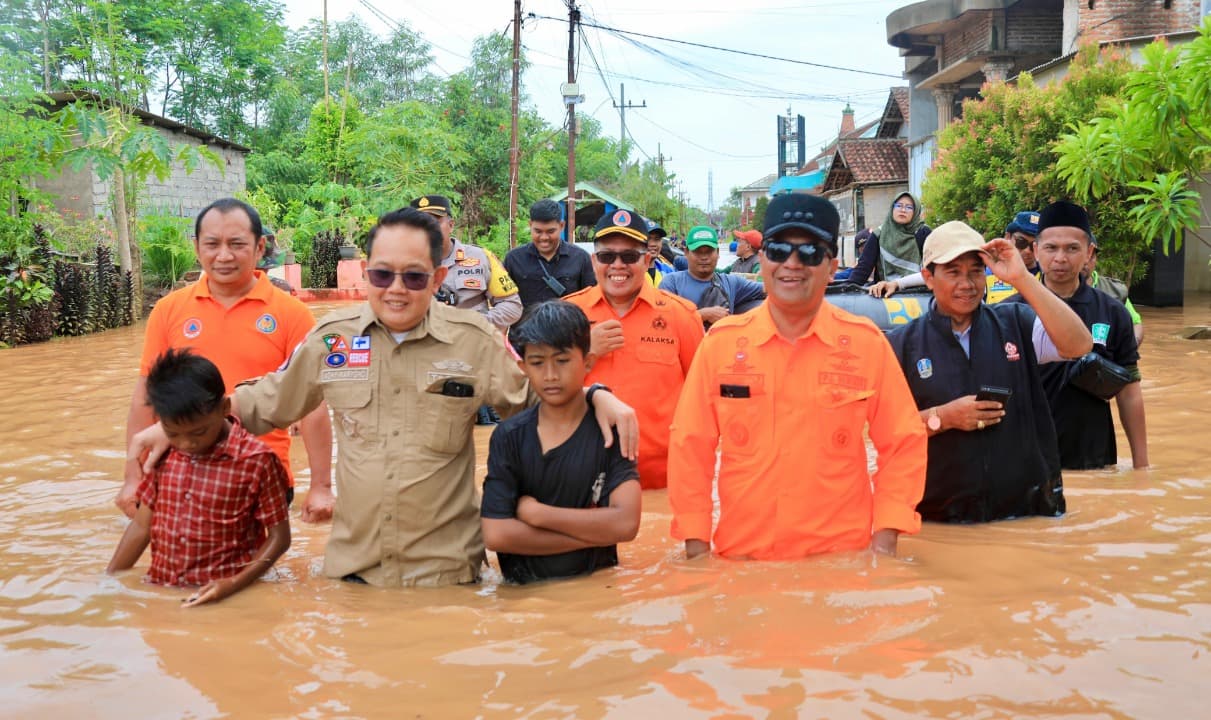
997 160
1152 143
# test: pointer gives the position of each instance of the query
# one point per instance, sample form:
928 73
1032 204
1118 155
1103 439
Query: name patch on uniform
656 339
361 342
344 374
472 284
1100 332
453 366
925 368
192 328
468 262
855 382
336 360
266 323
359 358
1011 352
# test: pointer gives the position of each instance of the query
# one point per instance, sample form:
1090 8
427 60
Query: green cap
702 236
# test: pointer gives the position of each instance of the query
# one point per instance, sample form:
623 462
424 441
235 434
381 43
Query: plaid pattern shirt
210 512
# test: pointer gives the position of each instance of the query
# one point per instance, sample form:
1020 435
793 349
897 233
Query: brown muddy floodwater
1105 613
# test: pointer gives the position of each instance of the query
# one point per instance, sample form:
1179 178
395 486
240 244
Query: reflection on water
1105 613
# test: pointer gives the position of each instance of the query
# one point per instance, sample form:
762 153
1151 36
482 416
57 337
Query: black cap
811 213
654 228
1062 213
622 222
438 205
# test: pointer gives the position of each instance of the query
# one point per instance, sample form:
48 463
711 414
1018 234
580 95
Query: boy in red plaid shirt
214 510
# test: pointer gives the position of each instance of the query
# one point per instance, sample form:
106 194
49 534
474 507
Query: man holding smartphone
547 268
973 369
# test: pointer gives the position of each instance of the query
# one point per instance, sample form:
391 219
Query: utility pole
573 18
622 106
660 158
710 195
513 148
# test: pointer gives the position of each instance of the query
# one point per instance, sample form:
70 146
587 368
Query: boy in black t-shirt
555 499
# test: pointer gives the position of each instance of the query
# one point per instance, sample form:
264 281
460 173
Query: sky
707 111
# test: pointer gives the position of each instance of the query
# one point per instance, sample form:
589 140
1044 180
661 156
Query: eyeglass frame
404 277
818 250
619 255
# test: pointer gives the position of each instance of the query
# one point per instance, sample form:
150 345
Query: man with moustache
643 338
784 393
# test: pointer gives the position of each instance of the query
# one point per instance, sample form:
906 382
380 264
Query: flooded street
1104 613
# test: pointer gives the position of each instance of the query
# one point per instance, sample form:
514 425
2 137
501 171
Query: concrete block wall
184 194
1101 20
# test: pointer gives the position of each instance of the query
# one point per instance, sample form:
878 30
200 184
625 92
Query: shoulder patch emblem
192 328
925 368
1100 332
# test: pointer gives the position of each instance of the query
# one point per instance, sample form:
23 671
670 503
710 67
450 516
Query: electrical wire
618 31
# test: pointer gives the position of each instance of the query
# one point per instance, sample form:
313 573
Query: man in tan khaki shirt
404 377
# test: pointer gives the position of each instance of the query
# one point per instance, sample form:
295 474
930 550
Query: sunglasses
628 257
809 254
1021 242
412 279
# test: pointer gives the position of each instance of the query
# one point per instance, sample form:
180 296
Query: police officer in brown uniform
476 279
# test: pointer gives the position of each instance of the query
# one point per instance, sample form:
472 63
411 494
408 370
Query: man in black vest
989 459
1083 422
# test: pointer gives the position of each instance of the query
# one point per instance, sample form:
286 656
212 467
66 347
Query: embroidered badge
359 358
841 438
925 368
336 359
344 374
1101 333
192 329
473 283
361 342
1011 352
659 323
330 341
622 218
266 323
454 366
738 434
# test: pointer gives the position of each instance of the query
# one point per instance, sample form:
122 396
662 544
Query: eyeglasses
1021 242
808 253
412 279
628 257
905 206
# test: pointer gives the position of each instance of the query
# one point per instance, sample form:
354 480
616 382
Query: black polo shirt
1083 422
571 267
1011 468
562 477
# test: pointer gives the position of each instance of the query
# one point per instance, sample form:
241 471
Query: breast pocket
448 419
352 410
741 420
657 352
842 419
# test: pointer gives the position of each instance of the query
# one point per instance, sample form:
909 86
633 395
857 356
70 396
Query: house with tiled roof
865 169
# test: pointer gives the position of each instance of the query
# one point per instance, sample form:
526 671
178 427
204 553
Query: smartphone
992 392
453 388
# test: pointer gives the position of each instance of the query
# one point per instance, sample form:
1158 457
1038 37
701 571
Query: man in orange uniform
785 392
234 317
644 338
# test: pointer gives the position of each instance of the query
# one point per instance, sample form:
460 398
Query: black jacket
1011 468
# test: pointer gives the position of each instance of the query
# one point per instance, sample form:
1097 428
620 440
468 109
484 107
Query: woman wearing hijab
894 249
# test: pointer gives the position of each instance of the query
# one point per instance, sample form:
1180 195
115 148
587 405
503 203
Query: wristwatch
934 421
588 396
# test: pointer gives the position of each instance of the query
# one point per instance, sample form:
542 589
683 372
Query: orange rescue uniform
661 333
788 418
250 339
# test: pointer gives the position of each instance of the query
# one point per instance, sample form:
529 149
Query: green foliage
1151 141
325 255
759 209
327 137
997 160
167 249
